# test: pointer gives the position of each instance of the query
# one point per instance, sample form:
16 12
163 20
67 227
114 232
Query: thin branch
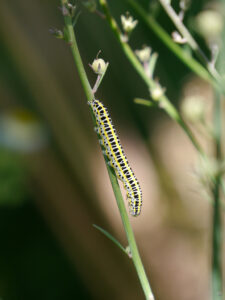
188 60
163 100
217 223
190 40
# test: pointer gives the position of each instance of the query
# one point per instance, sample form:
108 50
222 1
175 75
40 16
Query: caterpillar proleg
117 158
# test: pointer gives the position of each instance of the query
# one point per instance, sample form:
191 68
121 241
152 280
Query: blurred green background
53 182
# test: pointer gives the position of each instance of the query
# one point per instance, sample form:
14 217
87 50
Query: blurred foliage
13 188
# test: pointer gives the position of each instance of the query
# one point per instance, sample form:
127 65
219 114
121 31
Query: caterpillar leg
118 175
124 185
110 164
97 129
104 152
101 142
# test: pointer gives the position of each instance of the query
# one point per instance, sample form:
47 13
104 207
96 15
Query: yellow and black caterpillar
117 158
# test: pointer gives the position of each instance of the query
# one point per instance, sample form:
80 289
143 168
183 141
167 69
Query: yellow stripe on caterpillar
117 158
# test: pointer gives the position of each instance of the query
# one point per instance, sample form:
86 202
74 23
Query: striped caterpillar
117 158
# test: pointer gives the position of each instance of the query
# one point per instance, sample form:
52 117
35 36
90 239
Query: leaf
109 236
144 102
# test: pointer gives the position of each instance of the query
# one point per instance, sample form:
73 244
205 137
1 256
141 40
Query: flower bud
57 33
157 92
178 38
128 23
144 54
99 66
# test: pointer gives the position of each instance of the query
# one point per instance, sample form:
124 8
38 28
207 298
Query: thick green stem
164 101
116 189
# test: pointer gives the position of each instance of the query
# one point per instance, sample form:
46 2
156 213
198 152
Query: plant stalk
217 222
186 58
116 189
190 40
164 101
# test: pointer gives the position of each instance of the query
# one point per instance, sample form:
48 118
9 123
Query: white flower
178 38
144 54
157 92
128 23
99 66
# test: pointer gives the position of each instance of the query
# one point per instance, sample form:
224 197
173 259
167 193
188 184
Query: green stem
217 226
164 101
183 30
217 244
76 54
188 60
190 40
116 189
217 232
131 239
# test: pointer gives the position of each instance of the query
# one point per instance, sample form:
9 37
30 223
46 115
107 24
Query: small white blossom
128 23
99 66
157 92
144 54
178 38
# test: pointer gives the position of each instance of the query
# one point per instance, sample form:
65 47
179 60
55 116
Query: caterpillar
116 156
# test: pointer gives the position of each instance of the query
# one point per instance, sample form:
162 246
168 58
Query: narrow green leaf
109 236
144 102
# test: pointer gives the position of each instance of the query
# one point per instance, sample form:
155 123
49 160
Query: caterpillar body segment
117 158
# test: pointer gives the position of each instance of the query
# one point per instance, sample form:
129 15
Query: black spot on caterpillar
117 158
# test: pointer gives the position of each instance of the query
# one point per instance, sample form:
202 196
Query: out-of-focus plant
20 133
13 176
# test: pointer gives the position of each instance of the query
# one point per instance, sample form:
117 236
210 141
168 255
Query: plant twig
217 226
190 40
109 236
116 189
164 101
188 60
